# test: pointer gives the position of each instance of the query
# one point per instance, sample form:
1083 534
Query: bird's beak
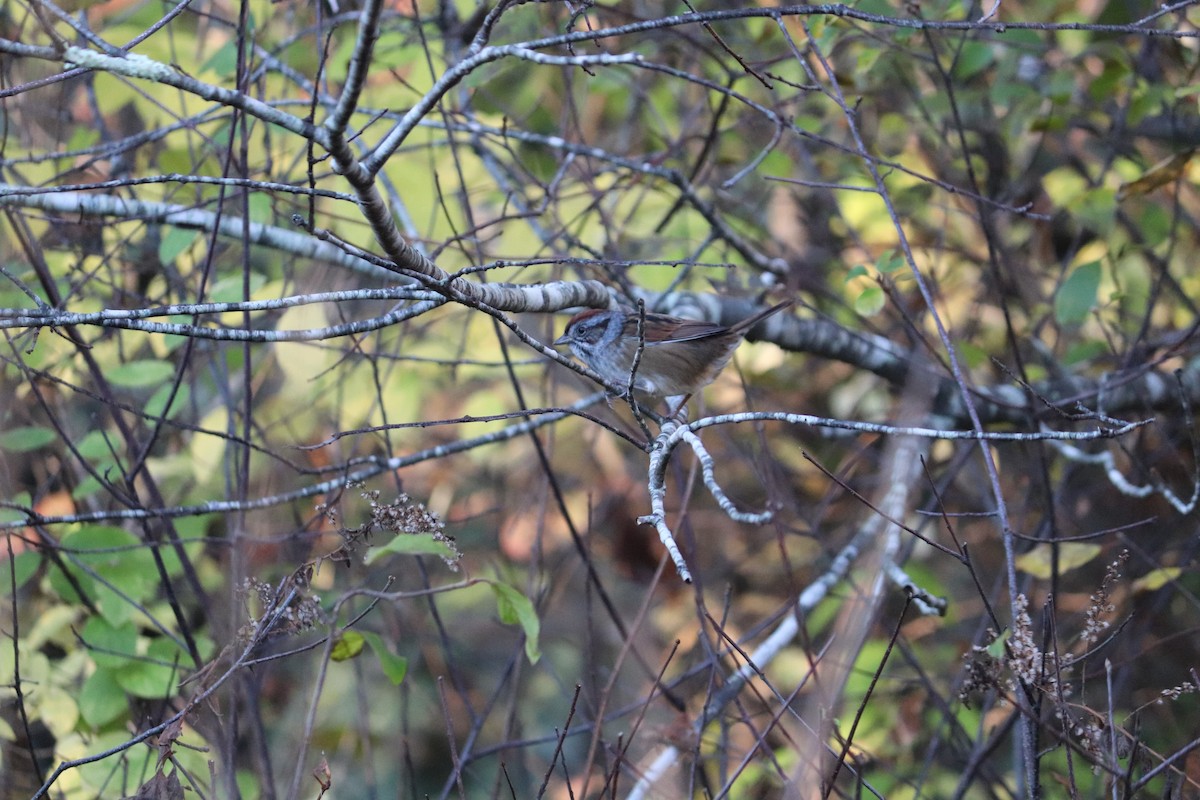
561 340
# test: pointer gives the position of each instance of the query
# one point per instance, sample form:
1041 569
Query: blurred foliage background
371 562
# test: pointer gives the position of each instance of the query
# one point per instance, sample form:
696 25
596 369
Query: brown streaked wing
663 329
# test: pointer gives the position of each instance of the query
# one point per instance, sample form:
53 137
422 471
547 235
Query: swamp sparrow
679 356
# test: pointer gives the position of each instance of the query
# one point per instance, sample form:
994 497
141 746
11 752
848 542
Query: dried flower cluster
1102 745
302 613
1100 604
1091 736
1176 692
403 515
983 672
407 516
1028 665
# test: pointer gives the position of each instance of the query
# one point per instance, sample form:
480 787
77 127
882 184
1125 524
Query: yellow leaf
1166 171
1156 579
347 646
1071 555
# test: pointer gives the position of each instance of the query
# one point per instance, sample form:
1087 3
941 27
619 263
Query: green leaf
102 699
91 485
118 557
136 374
1097 208
971 354
156 405
224 60
890 261
413 544
1084 351
191 532
1077 296
175 242
95 445
1155 224
347 646
20 500
26 438
996 648
156 677
97 776
857 271
84 136
870 301
777 162
22 567
65 588
110 646
515 608
1064 186
233 288
973 58
394 667
261 209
